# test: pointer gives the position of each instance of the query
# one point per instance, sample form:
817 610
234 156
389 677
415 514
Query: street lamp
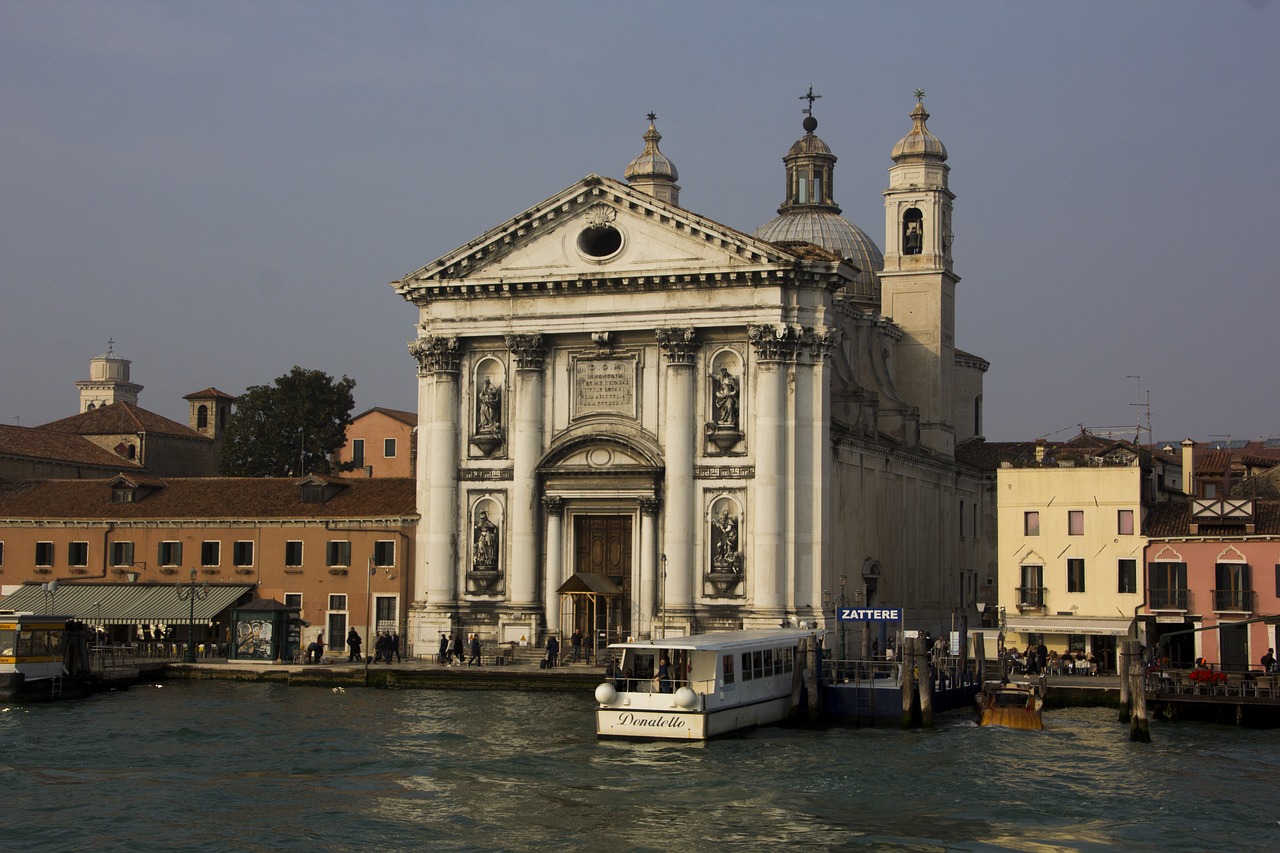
190 593
50 589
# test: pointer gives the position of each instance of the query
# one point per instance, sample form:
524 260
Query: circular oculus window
599 242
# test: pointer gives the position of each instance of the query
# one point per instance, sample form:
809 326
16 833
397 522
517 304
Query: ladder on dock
55 687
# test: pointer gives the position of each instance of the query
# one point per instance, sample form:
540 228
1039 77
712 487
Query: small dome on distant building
810 215
919 142
652 172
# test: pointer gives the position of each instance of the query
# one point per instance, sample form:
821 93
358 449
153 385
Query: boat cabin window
768 662
757 664
39 643
641 666
7 637
728 669
787 660
746 666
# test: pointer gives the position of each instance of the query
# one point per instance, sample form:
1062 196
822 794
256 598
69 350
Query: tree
290 428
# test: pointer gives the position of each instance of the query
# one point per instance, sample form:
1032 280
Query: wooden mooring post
908 646
1139 729
925 685
1123 670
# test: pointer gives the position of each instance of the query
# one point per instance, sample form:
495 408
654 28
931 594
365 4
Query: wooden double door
602 544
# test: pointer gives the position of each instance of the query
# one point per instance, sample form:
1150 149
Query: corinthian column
679 347
775 349
642 606
526 449
438 495
553 510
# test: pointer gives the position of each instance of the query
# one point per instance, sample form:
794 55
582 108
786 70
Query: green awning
125 603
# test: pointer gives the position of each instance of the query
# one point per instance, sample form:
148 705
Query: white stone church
637 420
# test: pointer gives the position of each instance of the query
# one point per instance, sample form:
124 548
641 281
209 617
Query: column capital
529 351
650 506
553 505
678 345
774 343
820 343
439 354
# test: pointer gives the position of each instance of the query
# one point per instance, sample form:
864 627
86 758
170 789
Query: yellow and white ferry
42 657
701 686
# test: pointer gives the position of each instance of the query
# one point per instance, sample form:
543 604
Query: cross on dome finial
810 97
919 94
652 117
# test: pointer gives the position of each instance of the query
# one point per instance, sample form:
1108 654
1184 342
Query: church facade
639 421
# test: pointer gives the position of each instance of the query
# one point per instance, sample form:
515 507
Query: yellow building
1070 542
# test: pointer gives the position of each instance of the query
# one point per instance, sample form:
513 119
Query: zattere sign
869 614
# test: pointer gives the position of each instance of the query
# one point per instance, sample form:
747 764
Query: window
293 600
1168 586
1075 642
338 553
357 452
77 553
1128 580
1277 580
122 553
1031 593
338 601
384 613
746 666
123 494
210 553
1124 522
293 553
961 519
389 448
1075 522
975 520
1031 523
170 553
384 552
242 553
1234 591
1075 575
1 553
728 666
44 553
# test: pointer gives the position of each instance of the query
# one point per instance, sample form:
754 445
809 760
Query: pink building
1213 581
380 443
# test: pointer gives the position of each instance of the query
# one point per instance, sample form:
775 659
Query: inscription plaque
604 385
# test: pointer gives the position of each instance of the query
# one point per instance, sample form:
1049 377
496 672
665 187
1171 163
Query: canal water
220 766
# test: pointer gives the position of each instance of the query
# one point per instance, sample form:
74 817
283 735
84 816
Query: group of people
387 644
553 650
1038 660
455 654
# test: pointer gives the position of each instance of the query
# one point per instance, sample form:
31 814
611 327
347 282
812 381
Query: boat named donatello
43 657
702 686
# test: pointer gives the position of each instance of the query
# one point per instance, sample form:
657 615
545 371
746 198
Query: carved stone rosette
529 351
440 354
678 345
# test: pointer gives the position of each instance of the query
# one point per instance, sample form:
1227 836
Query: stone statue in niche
727 392
725 556
489 408
485 544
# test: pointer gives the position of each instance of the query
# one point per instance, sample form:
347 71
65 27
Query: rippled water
220 766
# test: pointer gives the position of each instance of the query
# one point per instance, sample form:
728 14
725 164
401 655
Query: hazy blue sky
226 188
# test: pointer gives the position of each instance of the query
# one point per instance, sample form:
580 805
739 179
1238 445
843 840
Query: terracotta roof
38 443
207 498
209 392
1172 519
118 418
410 418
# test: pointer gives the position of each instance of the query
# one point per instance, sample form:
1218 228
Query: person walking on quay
353 647
575 640
1269 660
451 651
394 647
553 651
444 648
475 650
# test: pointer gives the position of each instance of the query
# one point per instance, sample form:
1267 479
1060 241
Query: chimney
1041 444
1188 468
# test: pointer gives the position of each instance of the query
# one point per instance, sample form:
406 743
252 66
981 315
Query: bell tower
917 283
108 382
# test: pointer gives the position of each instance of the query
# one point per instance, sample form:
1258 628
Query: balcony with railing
1232 600
1031 599
1167 598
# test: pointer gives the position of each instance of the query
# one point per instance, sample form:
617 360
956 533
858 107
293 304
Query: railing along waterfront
1214 683
948 671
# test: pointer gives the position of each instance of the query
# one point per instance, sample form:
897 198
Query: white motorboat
701 686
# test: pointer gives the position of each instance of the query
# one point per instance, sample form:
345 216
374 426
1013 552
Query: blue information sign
869 614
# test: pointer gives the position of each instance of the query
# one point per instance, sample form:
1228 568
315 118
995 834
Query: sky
225 190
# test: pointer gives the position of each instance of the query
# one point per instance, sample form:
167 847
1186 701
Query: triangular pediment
598 228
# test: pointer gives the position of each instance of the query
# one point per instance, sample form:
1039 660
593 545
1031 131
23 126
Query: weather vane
652 117
810 97
919 94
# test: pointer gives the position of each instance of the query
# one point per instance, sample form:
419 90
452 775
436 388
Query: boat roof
717 640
